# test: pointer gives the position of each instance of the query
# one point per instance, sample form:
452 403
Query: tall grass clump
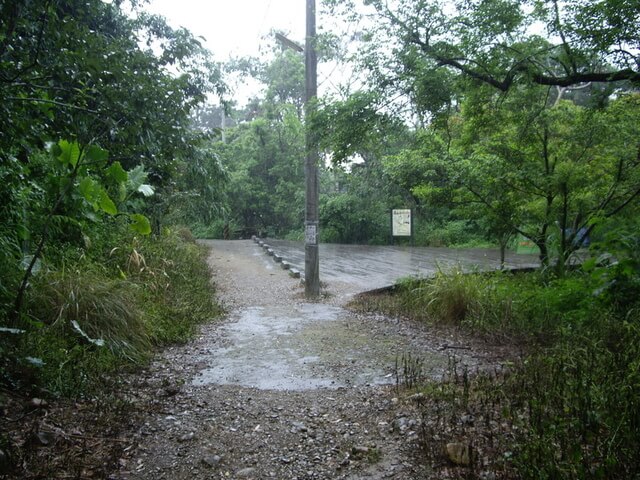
570 408
178 295
96 309
578 403
498 302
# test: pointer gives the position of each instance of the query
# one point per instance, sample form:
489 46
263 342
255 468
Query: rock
187 437
417 397
294 273
45 439
171 390
212 460
488 476
459 453
298 427
360 450
246 472
467 419
38 403
400 424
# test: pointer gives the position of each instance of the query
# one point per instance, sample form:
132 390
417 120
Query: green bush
572 405
178 294
499 302
296 235
93 310
580 403
455 233
214 230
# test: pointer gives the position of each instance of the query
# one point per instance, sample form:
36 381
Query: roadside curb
277 258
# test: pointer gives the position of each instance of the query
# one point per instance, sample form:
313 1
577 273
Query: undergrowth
569 409
96 310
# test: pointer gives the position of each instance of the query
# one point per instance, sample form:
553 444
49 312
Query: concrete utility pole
311 256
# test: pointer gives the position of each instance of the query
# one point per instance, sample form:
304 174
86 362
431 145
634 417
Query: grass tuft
569 409
93 312
91 309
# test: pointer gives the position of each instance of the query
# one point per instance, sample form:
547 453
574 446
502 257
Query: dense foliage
96 140
491 120
569 407
524 122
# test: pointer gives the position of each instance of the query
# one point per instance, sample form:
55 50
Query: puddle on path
303 347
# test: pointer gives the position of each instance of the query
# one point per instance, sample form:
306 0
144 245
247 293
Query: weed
91 314
569 409
94 310
408 371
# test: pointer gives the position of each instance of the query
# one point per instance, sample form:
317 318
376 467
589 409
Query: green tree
500 42
548 172
83 76
357 195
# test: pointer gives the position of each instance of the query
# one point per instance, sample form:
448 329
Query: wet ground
273 341
305 347
367 267
287 389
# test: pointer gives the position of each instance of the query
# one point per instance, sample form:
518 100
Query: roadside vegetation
96 142
93 312
567 404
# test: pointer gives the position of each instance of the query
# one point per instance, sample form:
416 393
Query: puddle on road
303 347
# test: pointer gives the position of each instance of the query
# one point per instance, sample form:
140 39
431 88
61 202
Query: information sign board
401 222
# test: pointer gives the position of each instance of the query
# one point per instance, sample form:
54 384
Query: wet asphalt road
369 267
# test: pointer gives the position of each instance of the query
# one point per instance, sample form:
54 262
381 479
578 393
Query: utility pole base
312 274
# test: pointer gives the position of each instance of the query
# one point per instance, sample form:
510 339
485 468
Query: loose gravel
283 388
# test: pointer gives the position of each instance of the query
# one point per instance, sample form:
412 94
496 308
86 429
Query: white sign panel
311 234
401 222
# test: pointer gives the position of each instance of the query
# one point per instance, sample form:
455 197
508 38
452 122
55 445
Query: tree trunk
544 253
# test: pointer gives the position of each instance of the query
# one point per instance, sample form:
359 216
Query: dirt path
282 388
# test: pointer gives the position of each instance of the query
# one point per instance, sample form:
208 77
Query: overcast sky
234 27
241 28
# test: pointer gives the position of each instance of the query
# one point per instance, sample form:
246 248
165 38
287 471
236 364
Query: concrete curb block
293 272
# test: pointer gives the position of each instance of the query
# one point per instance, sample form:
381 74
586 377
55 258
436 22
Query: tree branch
52 102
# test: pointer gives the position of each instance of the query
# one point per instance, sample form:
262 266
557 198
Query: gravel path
283 388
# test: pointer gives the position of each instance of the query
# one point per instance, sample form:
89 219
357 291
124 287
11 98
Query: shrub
571 407
92 312
580 402
91 309
459 233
